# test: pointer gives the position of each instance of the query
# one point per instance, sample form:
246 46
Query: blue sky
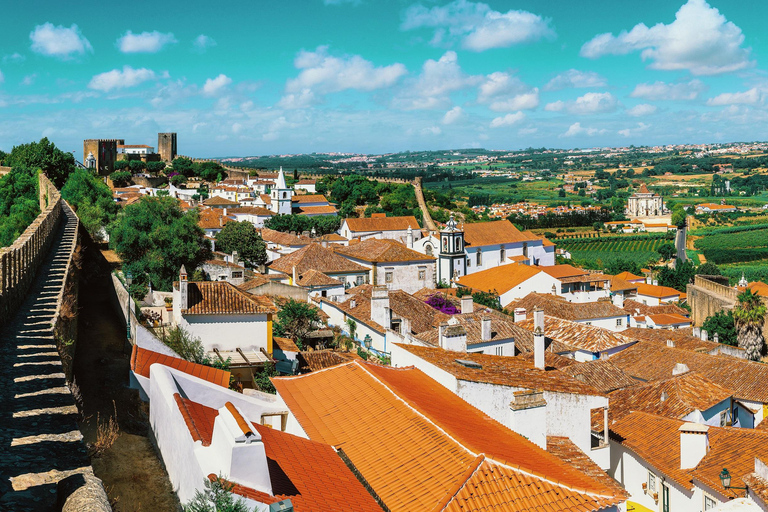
263 77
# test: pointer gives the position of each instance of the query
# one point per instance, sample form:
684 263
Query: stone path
40 443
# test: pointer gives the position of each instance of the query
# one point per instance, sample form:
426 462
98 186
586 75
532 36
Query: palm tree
749 316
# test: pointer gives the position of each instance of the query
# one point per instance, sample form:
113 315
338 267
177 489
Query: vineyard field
635 249
732 246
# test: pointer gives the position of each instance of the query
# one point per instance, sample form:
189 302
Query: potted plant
169 304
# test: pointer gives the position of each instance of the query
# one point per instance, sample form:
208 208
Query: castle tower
104 151
281 196
452 259
166 146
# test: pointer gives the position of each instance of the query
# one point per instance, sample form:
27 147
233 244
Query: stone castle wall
19 262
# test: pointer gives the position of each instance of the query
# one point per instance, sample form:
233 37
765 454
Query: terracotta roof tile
223 298
634 307
315 257
601 374
199 419
309 198
499 279
382 251
250 210
280 238
315 278
285 344
321 359
558 307
501 370
317 210
502 328
435 451
682 339
497 232
652 361
659 292
669 319
620 285
219 201
212 218
256 281
628 276
564 449
142 359
578 336
382 224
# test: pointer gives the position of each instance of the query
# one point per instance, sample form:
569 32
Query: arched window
445 244
428 248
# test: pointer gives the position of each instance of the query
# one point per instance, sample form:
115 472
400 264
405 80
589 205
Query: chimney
704 335
409 237
183 288
294 277
380 312
539 344
221 221
225 212
694 444
485 328
454 338
716 338
240 450
467 306
353 303
655 282
680 368
519 314
648 280
528 416
697 332
234 257
618 299
670 344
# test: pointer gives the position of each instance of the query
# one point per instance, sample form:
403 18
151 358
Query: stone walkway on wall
40 443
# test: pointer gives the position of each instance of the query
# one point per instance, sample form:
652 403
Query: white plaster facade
409 276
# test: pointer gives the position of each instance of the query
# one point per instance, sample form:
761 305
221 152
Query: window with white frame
422 275
618 322
388 277
651 483
709 503
500 351
359 280
723 418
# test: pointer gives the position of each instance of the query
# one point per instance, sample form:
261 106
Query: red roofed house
224 317
422 448
380 226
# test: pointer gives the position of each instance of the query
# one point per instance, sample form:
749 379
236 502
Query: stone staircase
40 443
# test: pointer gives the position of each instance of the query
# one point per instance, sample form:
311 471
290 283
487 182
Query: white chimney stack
235 258
618 299
486 328
538 338
240 450
380 312
467 306
704 335
697 332
670 344
454 338
528 415
409 237
694 444
680 368
519 314
294 276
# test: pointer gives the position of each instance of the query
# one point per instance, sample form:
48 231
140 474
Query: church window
445 244
458 243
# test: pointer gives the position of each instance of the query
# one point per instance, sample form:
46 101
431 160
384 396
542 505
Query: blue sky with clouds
261 77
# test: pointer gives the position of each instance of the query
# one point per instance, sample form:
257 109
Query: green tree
749 316
120 178
155 167
263 378
216 497
667 251
708 269
184 166
211 171
19 204
154 238
295 320
619 265
137 166
243 238
678 215
43 155
91 198
187 346
724 325
178 180
678 277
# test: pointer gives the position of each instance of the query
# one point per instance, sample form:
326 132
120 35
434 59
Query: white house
392 264
490 244
281 196
307 185
598 314
316 257
654 295
510 282
223 317
253 214
379 225
312 205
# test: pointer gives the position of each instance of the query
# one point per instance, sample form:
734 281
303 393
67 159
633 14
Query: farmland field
734 245
593 251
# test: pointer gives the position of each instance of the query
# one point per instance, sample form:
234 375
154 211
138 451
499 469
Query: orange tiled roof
285 344
432 453
219 201
653 361
280 238
564 271
256 281
315 278
317 210
558 307
250 210
564 449
759 288
634 307
499 279
382 251
321 359
669 319
223 298
578 336
315 257
502 328
501 370
496 232
212 219
601 374
309 198
142 359
310 474
682 338
382 224
652 290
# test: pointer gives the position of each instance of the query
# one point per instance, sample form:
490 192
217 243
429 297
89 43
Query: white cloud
700 40
643 109
203 42
2 77
117 79
453 115
628 132
213 85
505 93
527 131
507 120
664 91
576 130
323 74
14 57
146 42
59 41
750 97
573 79
29 79
438 79
590 103
477 25
431 130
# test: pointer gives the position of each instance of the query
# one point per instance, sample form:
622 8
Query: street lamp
129 281
367 341
725 479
